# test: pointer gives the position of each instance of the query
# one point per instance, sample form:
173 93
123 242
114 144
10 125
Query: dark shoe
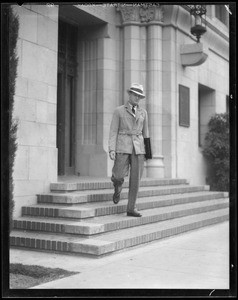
134 214
116 197
117 194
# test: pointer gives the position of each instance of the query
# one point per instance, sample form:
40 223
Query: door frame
66 98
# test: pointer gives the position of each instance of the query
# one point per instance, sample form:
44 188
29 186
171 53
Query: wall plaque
184 106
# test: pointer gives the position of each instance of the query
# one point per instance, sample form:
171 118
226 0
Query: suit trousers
125 163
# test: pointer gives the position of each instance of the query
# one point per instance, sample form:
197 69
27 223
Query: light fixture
199 27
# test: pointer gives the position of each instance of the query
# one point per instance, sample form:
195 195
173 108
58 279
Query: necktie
133 110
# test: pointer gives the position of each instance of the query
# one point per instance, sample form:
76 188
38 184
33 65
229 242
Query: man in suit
128 129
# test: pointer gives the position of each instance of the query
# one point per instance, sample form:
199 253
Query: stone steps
106 194
107 223
79 217
94 209
89 183
114 241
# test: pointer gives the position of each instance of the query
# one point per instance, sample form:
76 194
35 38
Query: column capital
151 13
141 14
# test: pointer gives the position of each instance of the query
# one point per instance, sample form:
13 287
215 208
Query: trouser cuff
117 181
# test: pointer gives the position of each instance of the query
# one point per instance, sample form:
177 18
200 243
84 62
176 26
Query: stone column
131 56
154 167
143 64
152 17
131 42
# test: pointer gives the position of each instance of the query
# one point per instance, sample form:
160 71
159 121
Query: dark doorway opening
66 94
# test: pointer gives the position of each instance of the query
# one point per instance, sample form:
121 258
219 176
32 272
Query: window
184 106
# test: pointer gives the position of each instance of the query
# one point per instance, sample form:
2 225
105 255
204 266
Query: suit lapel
138 113
128 108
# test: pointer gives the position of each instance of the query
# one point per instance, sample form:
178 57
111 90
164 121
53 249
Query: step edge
115 245
97 228
111 209
88 198
73 186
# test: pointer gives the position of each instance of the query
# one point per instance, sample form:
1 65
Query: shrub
13 27
217 152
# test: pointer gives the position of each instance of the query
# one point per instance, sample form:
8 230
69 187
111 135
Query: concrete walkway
198 259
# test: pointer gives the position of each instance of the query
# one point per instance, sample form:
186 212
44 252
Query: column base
155 167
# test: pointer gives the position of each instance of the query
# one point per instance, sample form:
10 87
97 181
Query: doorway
206 108
66 94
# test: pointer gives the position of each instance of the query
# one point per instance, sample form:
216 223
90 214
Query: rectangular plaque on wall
184 106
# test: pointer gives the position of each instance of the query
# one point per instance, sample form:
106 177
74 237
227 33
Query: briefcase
148 152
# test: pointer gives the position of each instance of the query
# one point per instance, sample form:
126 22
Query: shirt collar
136 106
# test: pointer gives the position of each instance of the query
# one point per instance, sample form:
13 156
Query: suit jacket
127 131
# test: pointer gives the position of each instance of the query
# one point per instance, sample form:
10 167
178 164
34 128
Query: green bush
217 152
13 27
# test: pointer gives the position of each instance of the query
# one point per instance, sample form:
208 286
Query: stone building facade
76 63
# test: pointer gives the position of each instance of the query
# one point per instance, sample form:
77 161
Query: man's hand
112 155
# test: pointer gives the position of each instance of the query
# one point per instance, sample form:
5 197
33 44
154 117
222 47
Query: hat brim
137 93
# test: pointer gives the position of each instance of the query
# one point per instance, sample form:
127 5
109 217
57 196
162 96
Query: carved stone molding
129 13
150 13
147 14
141 14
